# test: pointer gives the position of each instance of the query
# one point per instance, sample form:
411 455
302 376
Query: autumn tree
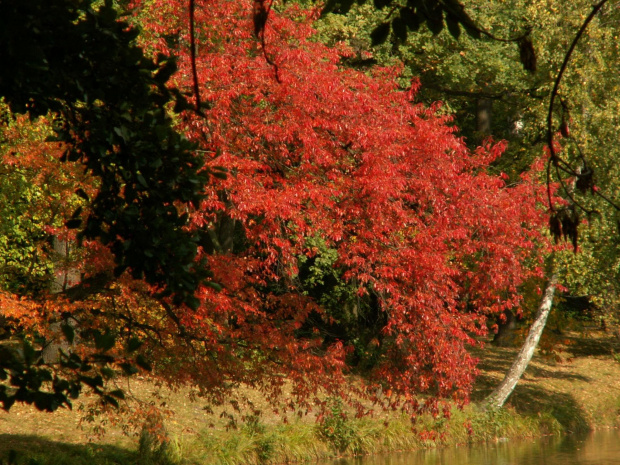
350 229
355 229
108 106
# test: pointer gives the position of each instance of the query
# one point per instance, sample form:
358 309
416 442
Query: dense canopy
310 221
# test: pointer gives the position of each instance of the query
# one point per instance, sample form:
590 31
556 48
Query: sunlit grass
304 442
574 389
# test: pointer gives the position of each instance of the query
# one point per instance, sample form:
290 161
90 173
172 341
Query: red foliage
315 150
326 151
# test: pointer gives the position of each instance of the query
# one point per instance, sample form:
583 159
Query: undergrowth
340 435
572 393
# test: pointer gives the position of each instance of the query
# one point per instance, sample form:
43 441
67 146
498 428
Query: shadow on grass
497 361
538 372
589 347
530 400
30 449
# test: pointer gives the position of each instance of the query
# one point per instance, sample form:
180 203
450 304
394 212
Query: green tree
481 84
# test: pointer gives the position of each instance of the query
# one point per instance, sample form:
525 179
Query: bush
155 446
335 428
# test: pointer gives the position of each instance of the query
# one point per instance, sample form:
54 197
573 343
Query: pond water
598 448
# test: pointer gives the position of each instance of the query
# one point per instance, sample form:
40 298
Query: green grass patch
256 443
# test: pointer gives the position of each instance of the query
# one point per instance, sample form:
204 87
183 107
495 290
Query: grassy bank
303 442
571 385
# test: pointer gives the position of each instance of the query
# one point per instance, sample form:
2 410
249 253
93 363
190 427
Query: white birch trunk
499 396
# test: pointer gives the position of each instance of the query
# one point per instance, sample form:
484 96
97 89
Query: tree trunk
506 323
499 396
65 278
484 109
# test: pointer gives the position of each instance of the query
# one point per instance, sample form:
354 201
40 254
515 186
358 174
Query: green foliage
464 73
77 60
31 204
264 442
320 271
335 427
23 265
156 448
352 315
405 17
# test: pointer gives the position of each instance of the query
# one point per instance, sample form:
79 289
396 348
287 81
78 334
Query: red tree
312 149
353 231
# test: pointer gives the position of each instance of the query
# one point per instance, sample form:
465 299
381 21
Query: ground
573 381
576 379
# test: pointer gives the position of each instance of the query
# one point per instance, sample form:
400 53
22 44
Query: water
599 448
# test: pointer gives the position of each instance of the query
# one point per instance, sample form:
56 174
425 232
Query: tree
575 105
463 72
354 232
109 109
344 190
484 70
501 393
109 103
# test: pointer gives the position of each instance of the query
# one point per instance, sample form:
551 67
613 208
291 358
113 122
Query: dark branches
260 15
192 40
564 221
553 157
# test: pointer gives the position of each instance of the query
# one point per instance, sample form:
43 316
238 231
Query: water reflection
599 448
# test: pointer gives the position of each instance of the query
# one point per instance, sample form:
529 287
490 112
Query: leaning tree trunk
499 396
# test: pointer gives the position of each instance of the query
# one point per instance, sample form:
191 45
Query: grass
21 449
571 385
